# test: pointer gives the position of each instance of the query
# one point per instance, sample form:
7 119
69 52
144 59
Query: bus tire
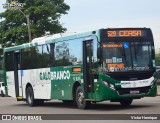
30 97
2 93
80 99
126 102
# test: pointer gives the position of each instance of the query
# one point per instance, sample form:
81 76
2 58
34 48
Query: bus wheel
80 99
30 97
2 93
126 102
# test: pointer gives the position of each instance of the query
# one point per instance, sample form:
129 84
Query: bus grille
123 91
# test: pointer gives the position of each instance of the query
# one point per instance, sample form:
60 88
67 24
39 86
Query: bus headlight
105 83
108 85
112 86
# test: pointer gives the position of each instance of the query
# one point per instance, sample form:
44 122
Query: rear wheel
80 99
2 93
126 102
30 97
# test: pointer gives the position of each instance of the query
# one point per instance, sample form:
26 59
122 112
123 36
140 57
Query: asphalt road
144 106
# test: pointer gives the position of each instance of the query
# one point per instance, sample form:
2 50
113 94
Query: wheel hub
80 97
29 98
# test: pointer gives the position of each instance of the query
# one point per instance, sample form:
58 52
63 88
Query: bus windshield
127 56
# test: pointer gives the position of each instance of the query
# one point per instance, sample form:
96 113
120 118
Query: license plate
134 91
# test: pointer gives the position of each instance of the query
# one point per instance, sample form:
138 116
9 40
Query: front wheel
126 102
80 99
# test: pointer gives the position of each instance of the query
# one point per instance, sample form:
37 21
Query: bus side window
39 56
61 53
46 55
25 59
9 61
75 52
33 58
52 54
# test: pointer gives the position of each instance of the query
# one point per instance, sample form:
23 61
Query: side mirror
157 74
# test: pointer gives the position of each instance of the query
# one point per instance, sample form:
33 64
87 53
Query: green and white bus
115 64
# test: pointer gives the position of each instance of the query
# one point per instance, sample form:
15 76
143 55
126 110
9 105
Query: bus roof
52 39
61 37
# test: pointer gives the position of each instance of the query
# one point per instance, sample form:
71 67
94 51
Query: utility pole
28 24
29 30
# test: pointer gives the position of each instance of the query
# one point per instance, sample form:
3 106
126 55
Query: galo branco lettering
55 75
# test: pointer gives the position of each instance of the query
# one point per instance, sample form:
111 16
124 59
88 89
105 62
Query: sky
86 15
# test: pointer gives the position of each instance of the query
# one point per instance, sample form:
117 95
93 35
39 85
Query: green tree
44 16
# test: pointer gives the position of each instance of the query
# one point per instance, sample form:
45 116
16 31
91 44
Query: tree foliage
44 16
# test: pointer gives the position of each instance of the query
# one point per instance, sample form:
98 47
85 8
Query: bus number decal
111 33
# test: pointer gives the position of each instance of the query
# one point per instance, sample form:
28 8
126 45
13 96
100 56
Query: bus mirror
157 74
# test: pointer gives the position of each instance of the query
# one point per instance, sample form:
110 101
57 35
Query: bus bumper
107 93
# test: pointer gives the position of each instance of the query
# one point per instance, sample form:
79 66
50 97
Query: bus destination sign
125 33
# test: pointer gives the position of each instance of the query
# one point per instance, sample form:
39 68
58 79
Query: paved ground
147 105
144 106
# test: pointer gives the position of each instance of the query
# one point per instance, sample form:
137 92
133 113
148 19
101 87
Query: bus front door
17 75
87 67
